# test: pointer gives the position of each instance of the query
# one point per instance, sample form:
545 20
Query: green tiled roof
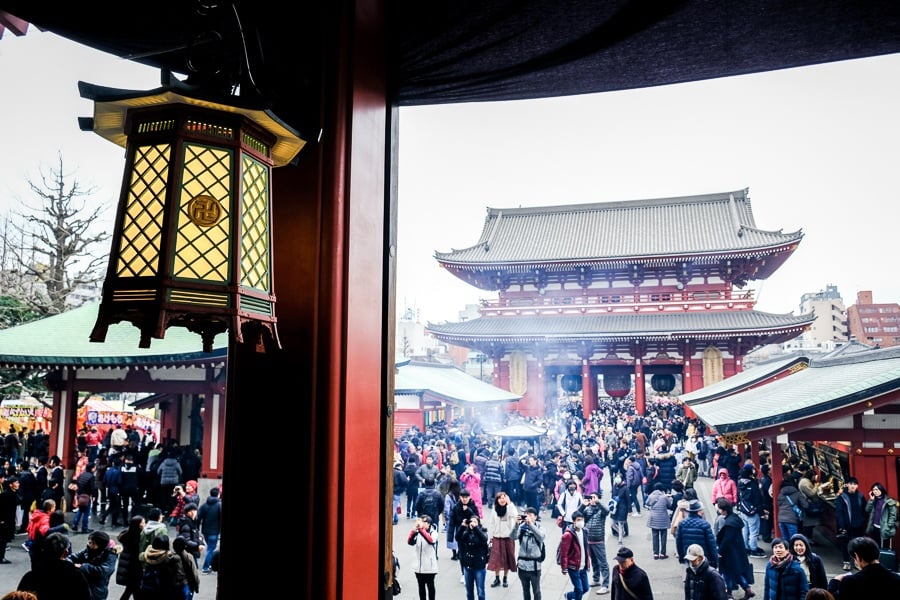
63 340
683 226
827 384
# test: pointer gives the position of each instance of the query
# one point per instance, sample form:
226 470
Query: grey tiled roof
827 384
618 325
685 226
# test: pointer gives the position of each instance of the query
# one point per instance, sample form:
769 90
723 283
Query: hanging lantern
571 384
617 385
192 244
662 383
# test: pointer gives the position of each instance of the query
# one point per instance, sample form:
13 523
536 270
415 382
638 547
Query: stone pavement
20 563
666 576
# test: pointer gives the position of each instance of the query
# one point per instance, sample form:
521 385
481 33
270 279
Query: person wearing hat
629 581
701 580
9 502
97 562
695 529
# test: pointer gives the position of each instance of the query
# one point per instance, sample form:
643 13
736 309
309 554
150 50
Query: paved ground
11 574
665 575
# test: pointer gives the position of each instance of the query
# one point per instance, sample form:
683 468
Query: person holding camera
531 543
473 555
424 537
595 522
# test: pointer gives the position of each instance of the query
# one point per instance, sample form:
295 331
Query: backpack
543 552
152 578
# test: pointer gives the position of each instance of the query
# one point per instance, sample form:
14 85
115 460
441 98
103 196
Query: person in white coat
424 539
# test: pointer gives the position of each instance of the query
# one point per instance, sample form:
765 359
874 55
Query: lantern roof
111 105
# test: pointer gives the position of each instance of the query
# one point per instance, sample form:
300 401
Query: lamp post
481 358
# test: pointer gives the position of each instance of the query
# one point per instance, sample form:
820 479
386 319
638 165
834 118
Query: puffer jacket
724 487
595 521
696 530
659 503
785 580
425 545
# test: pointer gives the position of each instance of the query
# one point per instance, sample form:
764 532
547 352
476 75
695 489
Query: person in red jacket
575 557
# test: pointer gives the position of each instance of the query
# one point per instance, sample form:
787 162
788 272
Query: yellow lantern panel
142 225
202 247
255 225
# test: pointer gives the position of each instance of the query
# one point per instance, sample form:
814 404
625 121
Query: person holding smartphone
882 510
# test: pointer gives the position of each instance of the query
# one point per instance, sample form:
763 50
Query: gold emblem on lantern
204 211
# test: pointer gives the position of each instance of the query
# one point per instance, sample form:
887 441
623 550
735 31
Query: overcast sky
818 148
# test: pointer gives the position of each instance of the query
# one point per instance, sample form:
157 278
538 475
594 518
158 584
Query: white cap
694 552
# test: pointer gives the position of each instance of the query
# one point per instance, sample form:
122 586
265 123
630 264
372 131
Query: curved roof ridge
619 204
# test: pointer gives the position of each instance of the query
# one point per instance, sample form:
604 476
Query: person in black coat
733 562
872 580
701 580
9 502
809 560
129 568
27 492
850 517
474 551
56 578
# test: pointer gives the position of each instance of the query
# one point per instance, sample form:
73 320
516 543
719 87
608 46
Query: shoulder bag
625 585
798 510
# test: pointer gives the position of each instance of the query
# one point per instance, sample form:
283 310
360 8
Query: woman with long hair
882 509
128 569
500 524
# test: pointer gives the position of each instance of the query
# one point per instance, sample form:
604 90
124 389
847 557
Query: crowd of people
168 538
483 495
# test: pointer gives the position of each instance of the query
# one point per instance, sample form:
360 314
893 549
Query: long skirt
503 555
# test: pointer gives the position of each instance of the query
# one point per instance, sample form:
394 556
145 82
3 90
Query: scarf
782 563
500 509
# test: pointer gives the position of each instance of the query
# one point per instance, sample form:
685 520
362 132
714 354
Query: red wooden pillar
334 263
588 389
213 432
640 391
65 416
777 476
687 379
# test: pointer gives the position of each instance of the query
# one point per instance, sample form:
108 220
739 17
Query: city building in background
874 324
828 330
